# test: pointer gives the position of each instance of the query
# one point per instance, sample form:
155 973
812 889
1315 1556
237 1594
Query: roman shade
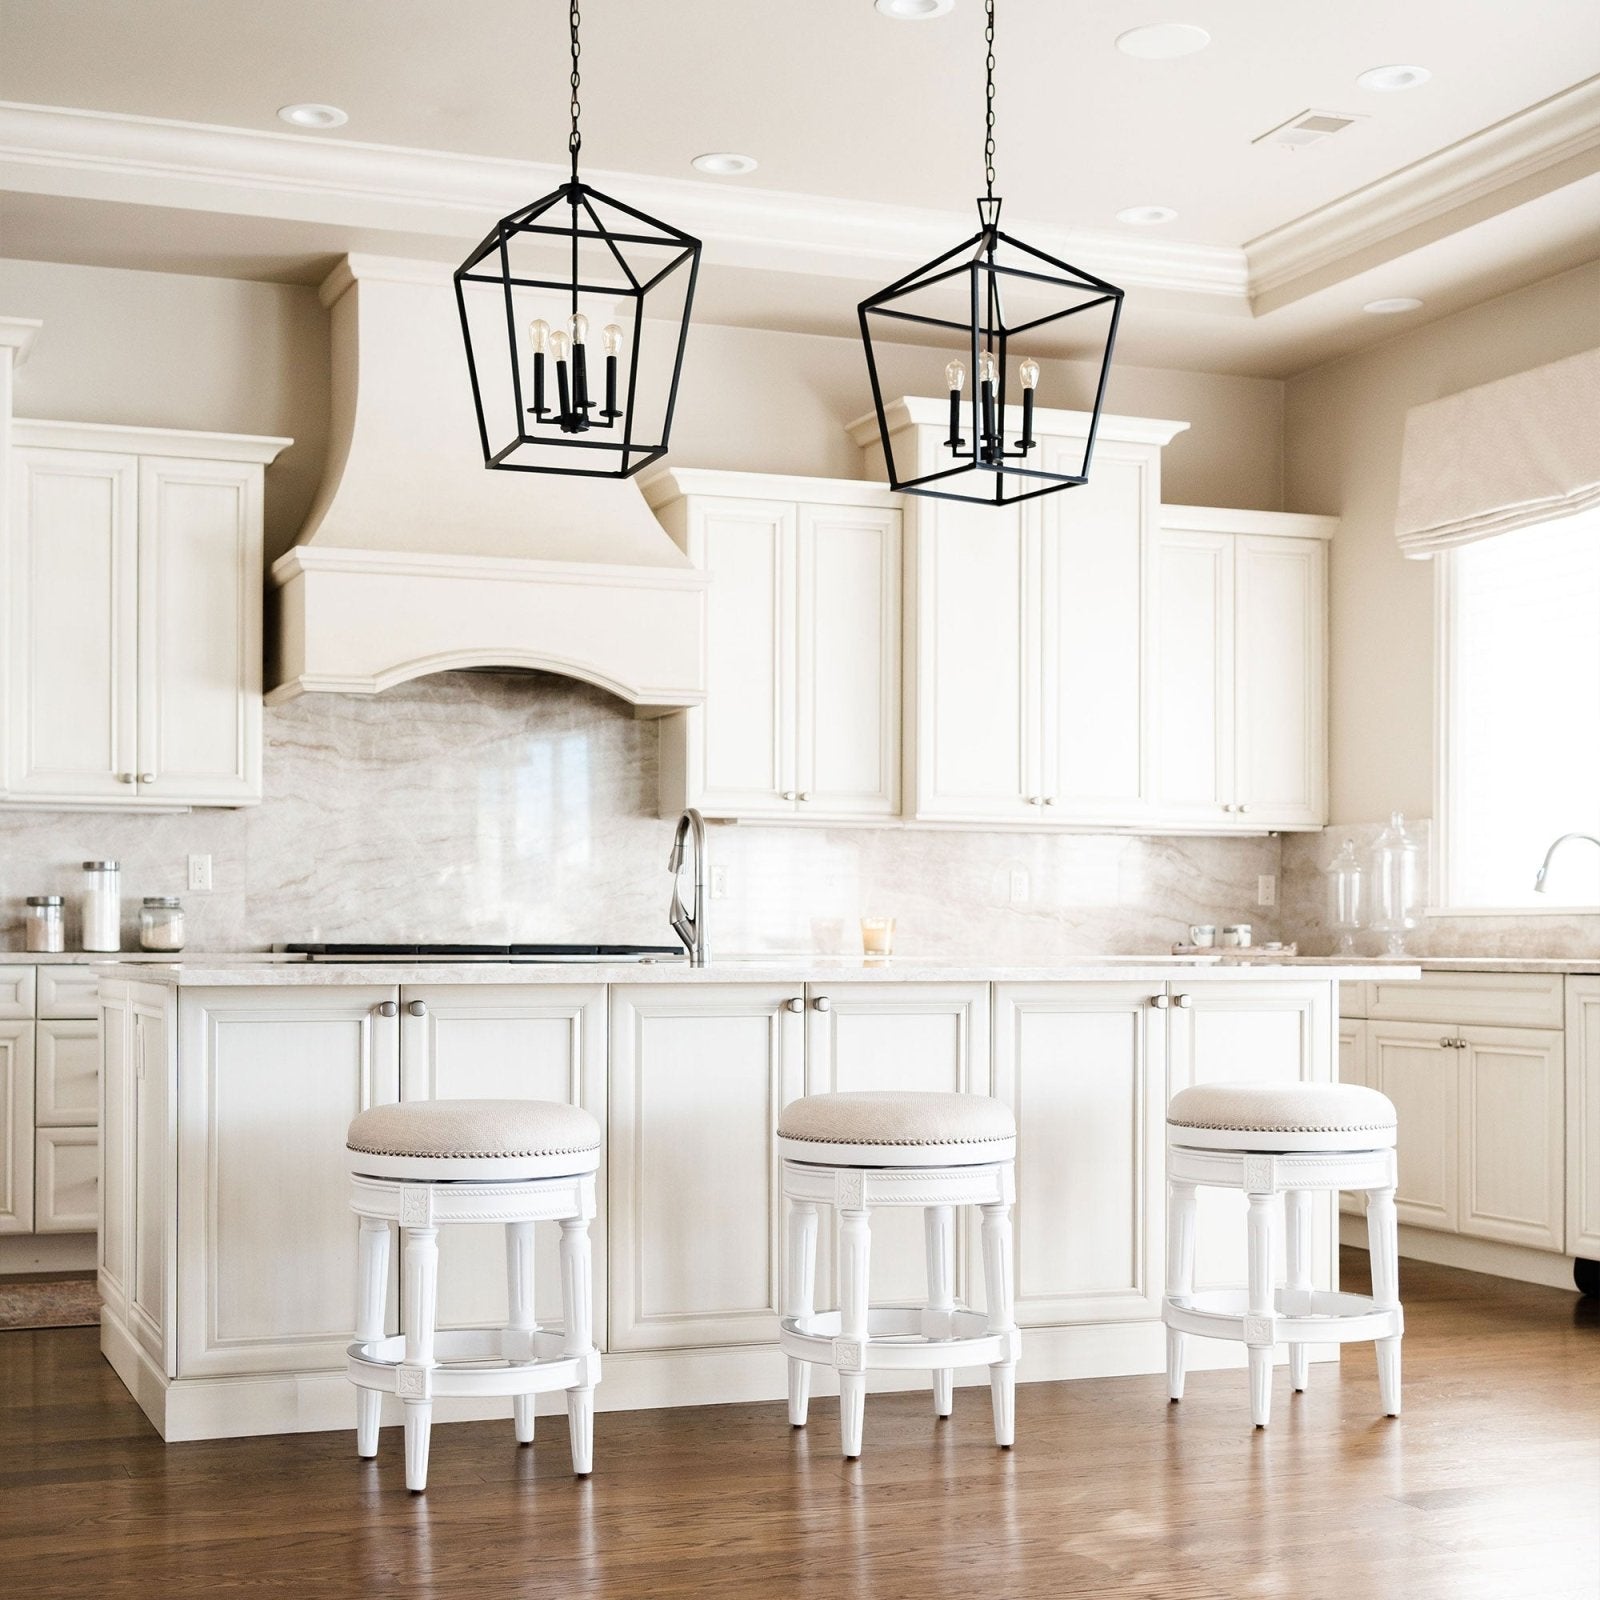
1505 455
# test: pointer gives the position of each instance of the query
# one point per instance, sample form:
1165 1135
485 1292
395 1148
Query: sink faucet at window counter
690 927
1539 877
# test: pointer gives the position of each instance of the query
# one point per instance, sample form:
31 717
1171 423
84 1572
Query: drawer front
67 1069
16 992
68 992
1492 999
66 1174
1353 999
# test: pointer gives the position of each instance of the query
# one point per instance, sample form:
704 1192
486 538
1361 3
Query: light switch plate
1020 886
719 883
199 873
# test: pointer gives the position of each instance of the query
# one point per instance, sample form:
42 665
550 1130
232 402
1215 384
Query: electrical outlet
199 873
1019 885
719 883
1267 889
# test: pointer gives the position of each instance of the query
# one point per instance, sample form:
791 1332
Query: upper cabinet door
1280 668
848 672
1095 548
200 578
72 623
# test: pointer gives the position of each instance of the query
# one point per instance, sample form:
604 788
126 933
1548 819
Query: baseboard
46 1252
1471 1255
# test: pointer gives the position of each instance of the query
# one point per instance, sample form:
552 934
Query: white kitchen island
227 1249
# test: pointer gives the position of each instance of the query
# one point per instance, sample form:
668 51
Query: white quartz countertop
89 958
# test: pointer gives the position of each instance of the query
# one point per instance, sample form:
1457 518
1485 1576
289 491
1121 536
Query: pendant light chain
988 118
575 138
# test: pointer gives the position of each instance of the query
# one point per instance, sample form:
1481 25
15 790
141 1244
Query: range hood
415 559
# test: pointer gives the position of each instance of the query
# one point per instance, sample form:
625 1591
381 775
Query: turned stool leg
414 1379
800 1299
1260 1228
577 1299
1383 1241
519 1294
1297 1241
939 1230
855 1261
372 1280
1181 1208
1002 1318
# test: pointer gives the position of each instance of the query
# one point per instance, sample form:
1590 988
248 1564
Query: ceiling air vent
1308 128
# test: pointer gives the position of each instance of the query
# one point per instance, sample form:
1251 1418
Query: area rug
49 1302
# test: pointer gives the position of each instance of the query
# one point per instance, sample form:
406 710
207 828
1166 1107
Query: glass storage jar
161 923
44 925
1395 884
102 905
1347 907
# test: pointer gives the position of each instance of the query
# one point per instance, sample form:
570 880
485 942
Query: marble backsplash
501 806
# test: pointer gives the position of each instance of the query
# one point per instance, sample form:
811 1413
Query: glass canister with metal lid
44 926
102 905
161 922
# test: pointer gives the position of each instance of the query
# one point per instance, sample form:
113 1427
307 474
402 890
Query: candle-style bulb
579 324
987 371
955 376
611 339
539 332
1029 372
558 345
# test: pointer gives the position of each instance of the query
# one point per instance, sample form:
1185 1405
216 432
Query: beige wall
1343 426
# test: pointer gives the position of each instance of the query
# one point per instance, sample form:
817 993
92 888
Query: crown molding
51 150
1505 161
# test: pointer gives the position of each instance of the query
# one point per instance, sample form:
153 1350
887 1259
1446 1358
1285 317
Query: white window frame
1440 880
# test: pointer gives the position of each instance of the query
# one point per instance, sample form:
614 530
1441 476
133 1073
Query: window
1519 708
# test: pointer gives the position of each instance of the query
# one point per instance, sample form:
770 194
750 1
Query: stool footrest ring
1298 1316
895 1341
470 1362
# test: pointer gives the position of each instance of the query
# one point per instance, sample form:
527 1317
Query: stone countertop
790 969
90 958
1554 964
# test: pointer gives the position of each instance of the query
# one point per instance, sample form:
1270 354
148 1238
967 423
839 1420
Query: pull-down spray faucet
690 926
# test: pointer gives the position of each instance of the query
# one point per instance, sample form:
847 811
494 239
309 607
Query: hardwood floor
1488 1487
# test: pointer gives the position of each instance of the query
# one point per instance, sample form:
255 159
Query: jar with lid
1347 884
102 905
161 923
44 925
1395 884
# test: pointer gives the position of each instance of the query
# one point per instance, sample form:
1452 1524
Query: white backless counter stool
938 1151
1289 1139
428 1163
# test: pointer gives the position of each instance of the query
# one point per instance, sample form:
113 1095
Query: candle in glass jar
877 936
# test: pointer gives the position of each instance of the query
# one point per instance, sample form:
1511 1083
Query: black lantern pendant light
993 289
530 296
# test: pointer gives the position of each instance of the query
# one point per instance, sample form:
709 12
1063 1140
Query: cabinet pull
1243 809
823 1003
1183 1001
388 1009
126 777
1447 1044
796 1004
804 795
417 1008
789 794
1159 1002
1049 799
147 777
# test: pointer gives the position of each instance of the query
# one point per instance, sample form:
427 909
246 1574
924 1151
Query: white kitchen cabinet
1352 1069
1240 620
510 1042
802 647
66 1170
698 1076
133 625
67 1073
16 1127
1583 1116
1084 1069
269 1074
1416 1065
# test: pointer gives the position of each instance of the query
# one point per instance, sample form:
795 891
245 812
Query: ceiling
868 133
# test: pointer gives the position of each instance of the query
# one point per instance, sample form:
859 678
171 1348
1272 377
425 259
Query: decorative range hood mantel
414 559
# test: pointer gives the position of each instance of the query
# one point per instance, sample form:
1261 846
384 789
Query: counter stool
426 1164
1289 1139
937 1151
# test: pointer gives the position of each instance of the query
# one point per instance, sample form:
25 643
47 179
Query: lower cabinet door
66 1180
67 1073
16 1127
1084 1067
1583 1117
1415 1064
1513 1129
266 1238
698 1076
512 1042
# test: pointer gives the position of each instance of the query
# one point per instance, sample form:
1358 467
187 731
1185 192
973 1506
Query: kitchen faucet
1538 882
690 927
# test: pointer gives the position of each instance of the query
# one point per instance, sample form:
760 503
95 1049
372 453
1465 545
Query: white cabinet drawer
1494 999
1354 999
67 1068
66 1175
16 992
68 992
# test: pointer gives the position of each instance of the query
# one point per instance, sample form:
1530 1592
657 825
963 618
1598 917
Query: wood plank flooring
1488 1487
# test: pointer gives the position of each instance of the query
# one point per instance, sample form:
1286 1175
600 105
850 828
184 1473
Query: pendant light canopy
1002 299
533 297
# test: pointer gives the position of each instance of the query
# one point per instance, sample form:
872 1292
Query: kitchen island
227 1249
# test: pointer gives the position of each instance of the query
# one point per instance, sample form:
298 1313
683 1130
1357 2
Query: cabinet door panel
66 1180
1407 1062
512 1043
1352 1069
67 1074
72 654
1084 1069
1583 1117
116 1046
151 1286
848 674
266 1237
698 1076
1512 1137
200 578
68 993
898 1036
16 1127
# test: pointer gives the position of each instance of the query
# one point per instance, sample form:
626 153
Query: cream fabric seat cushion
483 1131
1286 1116
898 1128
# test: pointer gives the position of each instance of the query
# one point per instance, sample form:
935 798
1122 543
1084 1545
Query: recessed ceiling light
723 163
1146 216
1387 79
1163 41
914 10
313 116
1392 306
